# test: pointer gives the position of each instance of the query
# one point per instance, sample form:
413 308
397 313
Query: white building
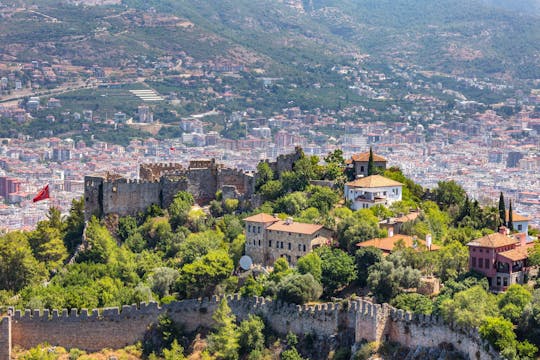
366 192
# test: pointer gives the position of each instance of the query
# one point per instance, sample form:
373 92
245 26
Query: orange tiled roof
493 241
295 227
519 253
516 217
389 243
365 157
262 218
373 181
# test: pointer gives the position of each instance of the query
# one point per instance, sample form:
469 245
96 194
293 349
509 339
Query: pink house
501 258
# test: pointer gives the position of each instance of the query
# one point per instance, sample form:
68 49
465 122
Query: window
505 281
473 250
473 262
259 242
481 250
289 246
498 281
486 263
304 247
299 247
269 243
480 263
249 228
520 227
259 229
361 169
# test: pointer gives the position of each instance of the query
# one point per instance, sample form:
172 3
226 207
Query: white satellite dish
246 262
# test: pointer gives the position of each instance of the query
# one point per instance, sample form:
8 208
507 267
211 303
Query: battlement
358 319
154 171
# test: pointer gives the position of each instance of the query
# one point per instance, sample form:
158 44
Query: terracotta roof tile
517 217
262 218
295 227
373 181
493 241
365 157
389 243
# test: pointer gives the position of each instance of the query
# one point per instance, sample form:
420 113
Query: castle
158 183
346 322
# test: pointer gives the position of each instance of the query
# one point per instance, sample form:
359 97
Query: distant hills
493 38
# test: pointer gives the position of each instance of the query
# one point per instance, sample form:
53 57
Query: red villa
501 258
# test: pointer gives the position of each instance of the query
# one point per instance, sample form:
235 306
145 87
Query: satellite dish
246 262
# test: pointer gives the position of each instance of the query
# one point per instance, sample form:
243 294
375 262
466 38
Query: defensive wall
351 320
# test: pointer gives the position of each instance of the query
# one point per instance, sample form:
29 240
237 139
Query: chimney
289 221
503 230
522 239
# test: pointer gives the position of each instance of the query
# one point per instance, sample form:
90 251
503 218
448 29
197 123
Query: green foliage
201 277
264 174
291 204
502 210
251 335
179 209
223 343
199 244
291 354
470 307
310 264
366 351
231 205
162 280
338 269
74 225
161 336
386 279
251 287
413 302
448 194
364 258
371 164
298 289
127 226
101 246
513 302
322 198
498 331
361 226
176 352
452 261
18 266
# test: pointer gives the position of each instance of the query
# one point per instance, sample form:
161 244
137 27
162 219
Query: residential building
359 163
388 244
268 238
366 192
501 258
520 222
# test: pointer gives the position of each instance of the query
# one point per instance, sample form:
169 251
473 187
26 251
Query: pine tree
502 209
224 342
371 165
510 217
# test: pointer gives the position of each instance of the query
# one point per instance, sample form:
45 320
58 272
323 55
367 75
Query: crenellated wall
5 338
356 320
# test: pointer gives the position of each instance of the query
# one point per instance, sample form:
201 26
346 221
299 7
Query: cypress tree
371 165
510 217
502 209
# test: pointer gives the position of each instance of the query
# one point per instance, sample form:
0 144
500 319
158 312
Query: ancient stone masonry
5 338
354 320
159 183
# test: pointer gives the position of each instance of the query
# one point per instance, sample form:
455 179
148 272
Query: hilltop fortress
330 324
158 183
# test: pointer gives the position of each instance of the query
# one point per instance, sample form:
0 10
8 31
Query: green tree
371 163
74 225
512 302
199 244
310 264
502 209
162 280
176 352
127 226
264 174
470 307
510 217
223 343
386 279
291 354
452 260
322 198
364 258
449 193
298 289
416 303
361 226
201 277
499 332
338 269
179 208
251 335
18 266
101 247
291 204
271 190
529 324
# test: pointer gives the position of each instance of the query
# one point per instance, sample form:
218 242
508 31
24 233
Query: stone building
268 238
359 162
366 192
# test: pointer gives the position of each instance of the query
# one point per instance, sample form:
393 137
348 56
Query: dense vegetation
186 252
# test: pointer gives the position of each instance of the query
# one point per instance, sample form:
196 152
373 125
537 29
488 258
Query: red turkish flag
172 148
42 194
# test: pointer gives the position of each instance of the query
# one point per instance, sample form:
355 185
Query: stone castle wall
5 338
116 328
154 172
